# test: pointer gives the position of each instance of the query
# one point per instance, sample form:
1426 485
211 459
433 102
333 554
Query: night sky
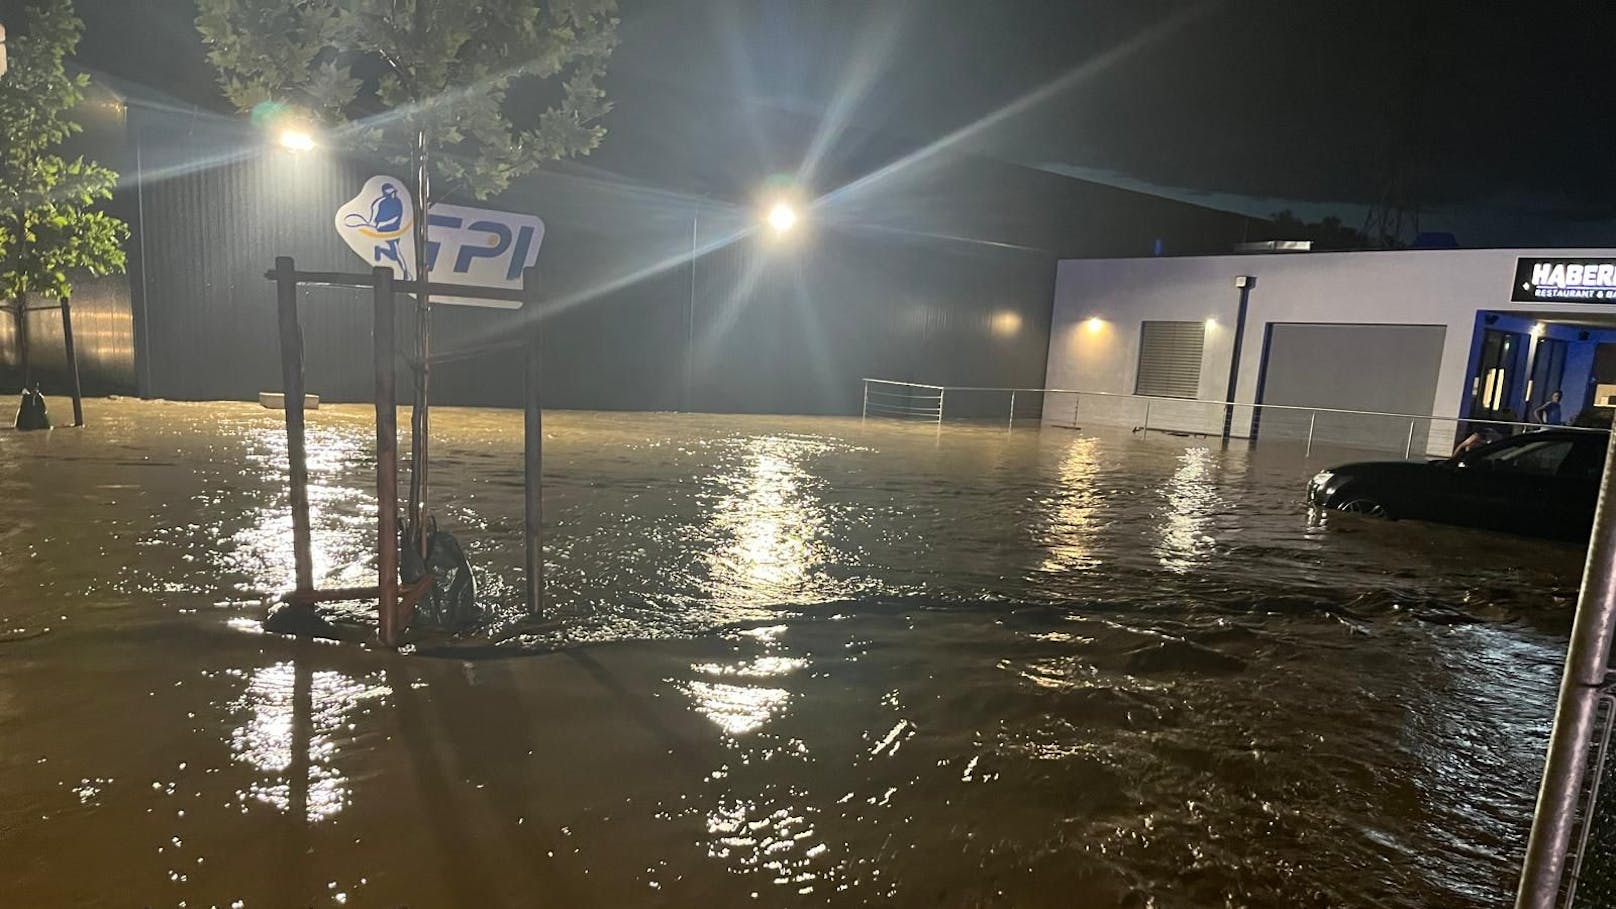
1494 119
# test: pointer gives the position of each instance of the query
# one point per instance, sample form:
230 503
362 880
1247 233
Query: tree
431 78
49 230
1330 233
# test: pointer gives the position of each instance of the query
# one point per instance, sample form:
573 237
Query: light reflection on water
1192 500
768 530
293 720
1180 692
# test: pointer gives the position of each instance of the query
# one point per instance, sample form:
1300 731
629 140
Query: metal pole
533 456
1587 659
1311 419
72 362
690 313
292 389
1012 408
1146 427
384 351
940 395
1245 282
864 412
1076 400
1408 450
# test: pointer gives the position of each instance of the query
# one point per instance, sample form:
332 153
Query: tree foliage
393 68
49 229
1330 233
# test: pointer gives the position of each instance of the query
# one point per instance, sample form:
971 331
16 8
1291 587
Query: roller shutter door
1170 359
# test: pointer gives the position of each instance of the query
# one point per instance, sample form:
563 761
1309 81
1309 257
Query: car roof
1544 435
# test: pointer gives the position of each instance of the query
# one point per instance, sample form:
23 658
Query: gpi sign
475 246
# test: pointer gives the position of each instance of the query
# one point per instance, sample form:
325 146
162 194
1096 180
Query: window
1170 359
1542 458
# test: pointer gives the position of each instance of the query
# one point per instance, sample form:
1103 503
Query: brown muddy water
802 662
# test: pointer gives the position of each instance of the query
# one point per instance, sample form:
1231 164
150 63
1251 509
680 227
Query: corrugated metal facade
945 276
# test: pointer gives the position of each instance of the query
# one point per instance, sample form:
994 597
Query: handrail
1254 404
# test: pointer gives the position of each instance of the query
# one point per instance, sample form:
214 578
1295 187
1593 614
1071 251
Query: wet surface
804 662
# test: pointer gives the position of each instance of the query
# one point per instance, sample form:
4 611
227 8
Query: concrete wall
1409 287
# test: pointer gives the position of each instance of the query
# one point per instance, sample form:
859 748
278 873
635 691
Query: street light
782 217
293 138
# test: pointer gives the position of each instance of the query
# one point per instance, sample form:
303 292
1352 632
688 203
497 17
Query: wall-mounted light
1005 323
1211 322
1538 329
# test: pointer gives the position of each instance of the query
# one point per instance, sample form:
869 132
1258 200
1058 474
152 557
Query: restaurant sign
1564 281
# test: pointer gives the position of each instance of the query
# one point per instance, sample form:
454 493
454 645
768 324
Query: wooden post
533 451
72 362
384 350
292 387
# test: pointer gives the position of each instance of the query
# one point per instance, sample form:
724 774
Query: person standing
1549 413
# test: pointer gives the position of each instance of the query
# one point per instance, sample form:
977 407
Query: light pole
690 308
780 219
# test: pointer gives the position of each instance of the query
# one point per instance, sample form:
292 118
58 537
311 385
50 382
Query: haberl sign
1564 281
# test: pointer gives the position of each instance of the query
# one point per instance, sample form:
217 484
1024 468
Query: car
1542 483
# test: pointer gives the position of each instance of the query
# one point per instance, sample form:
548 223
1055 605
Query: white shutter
1170 359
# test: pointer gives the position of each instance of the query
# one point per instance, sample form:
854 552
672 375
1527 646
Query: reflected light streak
1192 496
267 738
772 526
736 709
1072 521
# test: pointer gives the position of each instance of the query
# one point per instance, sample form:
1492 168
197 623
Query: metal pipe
1587 659
383 353
1245 282
1012 408
690 312
1408 450
1311 419
292 389
533 458
1608 703
864 412
72 362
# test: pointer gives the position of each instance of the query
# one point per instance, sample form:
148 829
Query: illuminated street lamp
295 139
782 217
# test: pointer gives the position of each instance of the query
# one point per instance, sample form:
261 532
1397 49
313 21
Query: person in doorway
1549 413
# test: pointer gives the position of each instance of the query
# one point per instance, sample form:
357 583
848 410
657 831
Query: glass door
1492 391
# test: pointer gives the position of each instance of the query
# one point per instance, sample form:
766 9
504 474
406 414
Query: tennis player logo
376 224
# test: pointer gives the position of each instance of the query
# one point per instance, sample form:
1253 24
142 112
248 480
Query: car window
1587 458
1543 457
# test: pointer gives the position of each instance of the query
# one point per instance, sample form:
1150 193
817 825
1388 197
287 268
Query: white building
1459 334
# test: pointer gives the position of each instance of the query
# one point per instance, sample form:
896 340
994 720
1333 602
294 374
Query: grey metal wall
945 276
103 337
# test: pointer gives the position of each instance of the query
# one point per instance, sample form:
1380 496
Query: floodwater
800 662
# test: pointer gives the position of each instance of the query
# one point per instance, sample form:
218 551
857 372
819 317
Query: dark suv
1543 483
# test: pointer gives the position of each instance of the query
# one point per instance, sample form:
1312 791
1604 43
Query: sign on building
1564 281
476 246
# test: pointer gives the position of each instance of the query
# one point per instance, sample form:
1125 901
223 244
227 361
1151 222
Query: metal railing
922 402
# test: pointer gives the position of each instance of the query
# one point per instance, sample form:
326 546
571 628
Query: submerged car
1543 483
